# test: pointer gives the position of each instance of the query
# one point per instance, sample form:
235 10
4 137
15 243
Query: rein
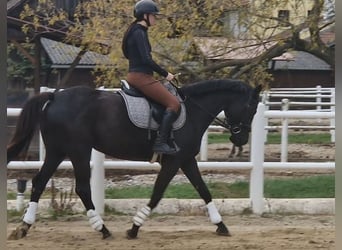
219 121
233 128
223 123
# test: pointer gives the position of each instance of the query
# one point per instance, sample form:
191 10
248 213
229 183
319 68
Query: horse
77 119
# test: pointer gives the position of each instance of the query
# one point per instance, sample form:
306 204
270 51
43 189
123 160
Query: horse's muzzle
238 139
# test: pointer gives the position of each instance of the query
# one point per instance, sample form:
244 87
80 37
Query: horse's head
240 116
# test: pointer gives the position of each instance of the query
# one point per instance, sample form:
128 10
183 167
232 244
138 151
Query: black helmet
145 7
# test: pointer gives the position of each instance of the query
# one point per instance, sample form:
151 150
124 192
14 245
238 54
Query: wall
302 79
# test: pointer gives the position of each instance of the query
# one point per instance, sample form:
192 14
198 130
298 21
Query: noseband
237 128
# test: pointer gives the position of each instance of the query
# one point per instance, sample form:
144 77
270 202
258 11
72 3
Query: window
233 24
284 16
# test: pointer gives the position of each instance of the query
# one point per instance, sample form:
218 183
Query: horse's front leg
168 171
190 169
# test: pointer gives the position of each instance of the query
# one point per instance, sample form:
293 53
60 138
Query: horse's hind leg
51 162
167 172
192 172
81 166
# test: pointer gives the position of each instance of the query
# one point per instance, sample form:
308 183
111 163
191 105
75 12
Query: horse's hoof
107 236
105 233
222 230
20 232
131 235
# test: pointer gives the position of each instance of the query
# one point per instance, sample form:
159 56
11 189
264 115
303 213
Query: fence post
21 187
256 187
319 97
284 131
41 144
265 99
97 180
319 100
204 147
332 120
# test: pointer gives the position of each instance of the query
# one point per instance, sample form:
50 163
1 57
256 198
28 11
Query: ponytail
124 40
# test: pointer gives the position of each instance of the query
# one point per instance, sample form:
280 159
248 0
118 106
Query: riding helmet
145 7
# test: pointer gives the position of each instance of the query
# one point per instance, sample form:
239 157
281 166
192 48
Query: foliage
66 201
242 24
19 68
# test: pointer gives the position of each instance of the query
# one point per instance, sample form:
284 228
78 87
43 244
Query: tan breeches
153 89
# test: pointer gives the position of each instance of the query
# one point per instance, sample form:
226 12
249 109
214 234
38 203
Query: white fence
256 163
286 104
317 93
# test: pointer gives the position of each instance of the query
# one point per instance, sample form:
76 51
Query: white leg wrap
141 216
95 220
30 215
214 215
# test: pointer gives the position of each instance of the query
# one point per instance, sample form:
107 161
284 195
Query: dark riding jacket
137 49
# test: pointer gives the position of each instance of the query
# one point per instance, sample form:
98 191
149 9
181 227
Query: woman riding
137 49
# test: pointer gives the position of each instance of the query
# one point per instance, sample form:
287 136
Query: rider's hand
170 76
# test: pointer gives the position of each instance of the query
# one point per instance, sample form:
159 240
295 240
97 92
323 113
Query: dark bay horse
75 120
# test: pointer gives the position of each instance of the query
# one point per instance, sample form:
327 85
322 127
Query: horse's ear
255 95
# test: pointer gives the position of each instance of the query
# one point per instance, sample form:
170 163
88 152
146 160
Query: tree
19 69
173 37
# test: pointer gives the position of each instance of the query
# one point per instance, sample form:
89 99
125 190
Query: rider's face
152 18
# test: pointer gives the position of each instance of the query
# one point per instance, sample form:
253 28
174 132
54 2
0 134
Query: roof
12 4
299 60
221 48
62 55
328 37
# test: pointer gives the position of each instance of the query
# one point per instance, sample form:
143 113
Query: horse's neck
205 109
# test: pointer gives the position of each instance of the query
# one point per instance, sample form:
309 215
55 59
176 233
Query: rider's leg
156 91
160 145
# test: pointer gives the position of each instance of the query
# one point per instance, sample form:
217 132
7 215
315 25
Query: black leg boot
160 145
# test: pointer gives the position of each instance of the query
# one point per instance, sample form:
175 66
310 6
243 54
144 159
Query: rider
137 49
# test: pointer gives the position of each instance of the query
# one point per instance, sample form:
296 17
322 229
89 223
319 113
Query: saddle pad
139 113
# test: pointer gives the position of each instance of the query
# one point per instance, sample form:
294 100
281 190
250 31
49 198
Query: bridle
234 128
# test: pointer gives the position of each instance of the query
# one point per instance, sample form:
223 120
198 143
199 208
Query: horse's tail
26 125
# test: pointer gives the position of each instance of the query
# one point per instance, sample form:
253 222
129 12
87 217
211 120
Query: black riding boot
160 145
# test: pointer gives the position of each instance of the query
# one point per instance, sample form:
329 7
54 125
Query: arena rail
256 164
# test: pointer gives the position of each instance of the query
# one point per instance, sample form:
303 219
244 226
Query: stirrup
155 157
164 148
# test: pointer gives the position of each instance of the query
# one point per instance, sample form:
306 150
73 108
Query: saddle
146 113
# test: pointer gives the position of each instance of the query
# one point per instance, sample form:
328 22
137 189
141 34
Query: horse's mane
208 86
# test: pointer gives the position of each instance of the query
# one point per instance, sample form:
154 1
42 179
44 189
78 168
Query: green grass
275 138
305 187
218 138
321 186
301 187
300 138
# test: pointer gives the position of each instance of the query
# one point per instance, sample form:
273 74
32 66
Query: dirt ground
269 232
